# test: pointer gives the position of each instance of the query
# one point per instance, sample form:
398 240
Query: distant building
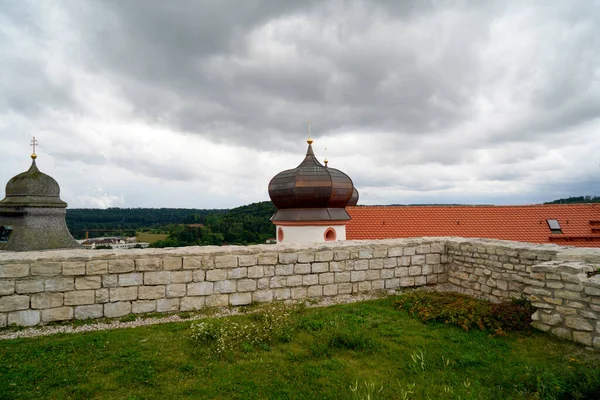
115 242
32 215
562 224
311 202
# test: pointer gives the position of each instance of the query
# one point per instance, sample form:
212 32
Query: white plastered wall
309 233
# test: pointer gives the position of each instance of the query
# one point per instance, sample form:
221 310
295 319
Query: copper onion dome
33 188
354 199
310 191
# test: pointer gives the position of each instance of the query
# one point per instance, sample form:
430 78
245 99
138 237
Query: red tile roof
580 223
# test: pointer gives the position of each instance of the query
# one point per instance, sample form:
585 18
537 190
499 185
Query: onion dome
310 192
354 199
32 189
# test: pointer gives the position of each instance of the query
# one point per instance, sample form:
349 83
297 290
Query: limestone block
307 257
328 278
262 296
132 279
540 326
330 290
358 265
263 283
572 278
420 280
592 291
365 253
110 281
408 281
364 286
390 262
247 285
3 320
438 248
575 287
73 268
288 258
247 260
424 249
121 266
96 268
102 296
44 269
79 297
214 275
148 264
268 259
376 263
315 291
176 290
88 282
302 268
191 303
157 278
318 267
269 270
22 287
395 251
406 261
595 342
91 311
237 273
123 294
344 288
226 261
552 300
308 280
298 293
432 259
339 255
583 338
324 256
200 288
240 299
578 323
59 284
44 300
150 292
428 269
341 277
409 251
554 285
192 262
387 274
294 280
217 300
281 294
167 305
575 304
356 276
372 275
24 318
588 314
538 292
226 286
565 294
143 306
199 275
256 271
174 263
550 319
566 310
185 276
414 270
118 309
57 314
401 272
285 269
433 279
338 266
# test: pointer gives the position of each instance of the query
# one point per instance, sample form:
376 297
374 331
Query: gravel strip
224 312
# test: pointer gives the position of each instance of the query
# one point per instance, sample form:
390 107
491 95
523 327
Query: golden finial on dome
33 144
325 160
309 141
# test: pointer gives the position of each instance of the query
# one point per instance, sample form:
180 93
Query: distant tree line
186 227
578 199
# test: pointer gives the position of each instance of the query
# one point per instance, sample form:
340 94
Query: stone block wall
42 287
567 296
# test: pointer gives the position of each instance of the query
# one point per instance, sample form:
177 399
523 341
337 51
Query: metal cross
33 144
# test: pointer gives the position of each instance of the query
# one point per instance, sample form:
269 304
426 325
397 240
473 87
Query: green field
354 351
150 237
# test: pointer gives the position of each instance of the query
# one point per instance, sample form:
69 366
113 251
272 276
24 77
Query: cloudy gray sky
190 103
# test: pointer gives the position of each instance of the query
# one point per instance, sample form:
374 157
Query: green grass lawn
340 352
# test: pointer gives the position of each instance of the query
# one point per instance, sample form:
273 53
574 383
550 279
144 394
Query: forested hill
578 199
246 224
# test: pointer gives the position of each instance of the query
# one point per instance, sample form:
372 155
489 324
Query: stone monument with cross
32 215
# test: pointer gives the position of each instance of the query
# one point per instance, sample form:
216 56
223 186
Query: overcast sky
198 104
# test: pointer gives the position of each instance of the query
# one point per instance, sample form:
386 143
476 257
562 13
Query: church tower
32 215
311 201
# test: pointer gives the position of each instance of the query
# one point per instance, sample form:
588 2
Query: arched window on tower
330 235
